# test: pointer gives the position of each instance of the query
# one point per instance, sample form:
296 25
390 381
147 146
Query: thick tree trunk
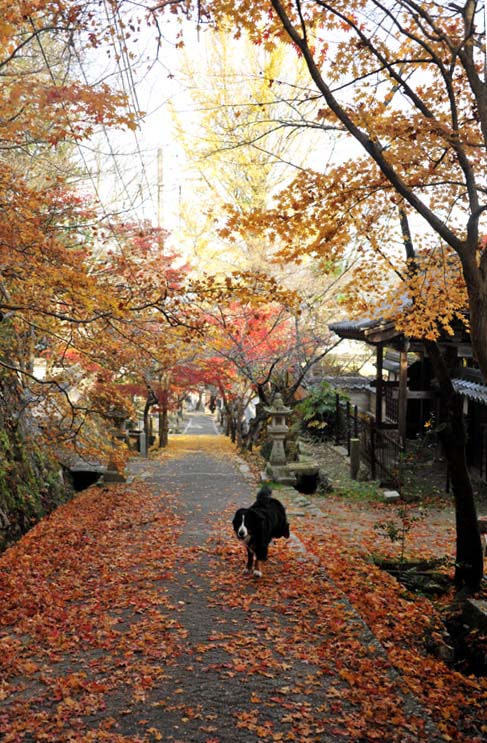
163 426
478 325
255 427
230 428
147 426
163 417
150 401
469 557
451 431
233 429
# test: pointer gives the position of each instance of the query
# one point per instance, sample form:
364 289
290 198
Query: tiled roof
353 329
471 390
382 330
347 382
370 331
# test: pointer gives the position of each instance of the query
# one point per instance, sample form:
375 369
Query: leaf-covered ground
126 616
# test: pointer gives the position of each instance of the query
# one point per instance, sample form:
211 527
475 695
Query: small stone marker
391 495
354 458
113 476
482 521
475 614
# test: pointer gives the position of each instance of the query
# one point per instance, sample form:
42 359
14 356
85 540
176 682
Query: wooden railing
380 448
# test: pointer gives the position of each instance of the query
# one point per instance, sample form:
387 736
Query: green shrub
316 414
355 490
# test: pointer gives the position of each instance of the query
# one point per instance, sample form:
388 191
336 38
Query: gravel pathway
238 681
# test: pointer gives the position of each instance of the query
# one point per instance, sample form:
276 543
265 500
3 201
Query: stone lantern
278 430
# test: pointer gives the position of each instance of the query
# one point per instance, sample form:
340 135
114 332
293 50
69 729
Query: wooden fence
380 448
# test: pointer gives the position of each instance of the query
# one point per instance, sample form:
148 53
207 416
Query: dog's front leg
250 560
257 569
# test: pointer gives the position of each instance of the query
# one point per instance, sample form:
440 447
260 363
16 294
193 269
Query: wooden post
403 394
349 433
354 458
483 430
337 419
378 385
372 450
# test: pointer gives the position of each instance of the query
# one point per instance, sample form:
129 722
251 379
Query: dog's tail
264 494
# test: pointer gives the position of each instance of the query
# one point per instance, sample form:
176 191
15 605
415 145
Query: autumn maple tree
84 297
46 290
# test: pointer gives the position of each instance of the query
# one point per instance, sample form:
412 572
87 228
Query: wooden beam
403 393
414 395
377 336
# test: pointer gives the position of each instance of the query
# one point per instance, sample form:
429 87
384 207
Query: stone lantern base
279 473
288 474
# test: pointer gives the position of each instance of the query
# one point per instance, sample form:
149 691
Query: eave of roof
348 382
472 390
370 331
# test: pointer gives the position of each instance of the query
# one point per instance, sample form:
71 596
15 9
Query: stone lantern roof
278 407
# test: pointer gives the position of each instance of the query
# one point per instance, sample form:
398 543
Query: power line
107 217
81 153
128 83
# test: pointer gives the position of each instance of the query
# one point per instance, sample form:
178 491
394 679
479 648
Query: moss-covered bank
31 482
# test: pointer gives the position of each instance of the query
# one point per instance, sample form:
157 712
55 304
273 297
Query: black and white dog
256 526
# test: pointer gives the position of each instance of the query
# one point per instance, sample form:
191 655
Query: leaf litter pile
326 646
85 614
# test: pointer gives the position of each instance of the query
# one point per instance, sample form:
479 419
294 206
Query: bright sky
138 174
144 175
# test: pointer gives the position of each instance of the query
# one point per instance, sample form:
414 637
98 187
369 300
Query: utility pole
163 380
160 216
485 42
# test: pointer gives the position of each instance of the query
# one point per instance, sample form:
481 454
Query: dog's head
246 524
240 527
